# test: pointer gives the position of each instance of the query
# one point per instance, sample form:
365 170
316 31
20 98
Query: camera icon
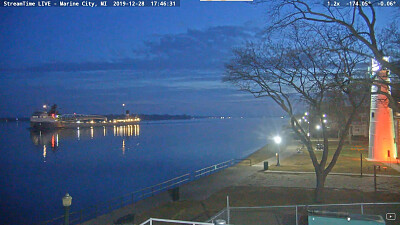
390 216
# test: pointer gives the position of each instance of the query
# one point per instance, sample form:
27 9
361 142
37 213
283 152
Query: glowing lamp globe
277 139
67 200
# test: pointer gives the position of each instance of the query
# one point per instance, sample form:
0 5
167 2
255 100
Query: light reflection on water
38 168
51 138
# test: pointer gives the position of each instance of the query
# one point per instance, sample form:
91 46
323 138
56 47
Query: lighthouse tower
382 146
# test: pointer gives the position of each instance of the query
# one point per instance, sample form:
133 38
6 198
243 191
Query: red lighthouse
382 145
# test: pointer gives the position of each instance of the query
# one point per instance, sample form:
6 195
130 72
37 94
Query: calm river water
98 164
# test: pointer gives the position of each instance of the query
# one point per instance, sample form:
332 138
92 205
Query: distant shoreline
143 117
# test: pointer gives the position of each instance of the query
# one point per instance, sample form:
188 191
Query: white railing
151 220
208 170
226 213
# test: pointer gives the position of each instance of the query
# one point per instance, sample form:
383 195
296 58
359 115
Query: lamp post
278 140
123 108
66 201
318 127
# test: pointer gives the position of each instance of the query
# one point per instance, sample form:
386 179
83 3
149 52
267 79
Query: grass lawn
348 162
259 156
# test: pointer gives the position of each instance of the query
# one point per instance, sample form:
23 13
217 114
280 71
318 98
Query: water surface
98 164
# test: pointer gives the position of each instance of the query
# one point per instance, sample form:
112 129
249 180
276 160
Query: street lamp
278 140
66 201
123 108
318 127
44 106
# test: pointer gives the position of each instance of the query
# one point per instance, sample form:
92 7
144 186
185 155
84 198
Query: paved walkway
197 190
287 152
254 175
394 166
200 189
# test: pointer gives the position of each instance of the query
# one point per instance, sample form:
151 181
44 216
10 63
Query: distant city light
318 127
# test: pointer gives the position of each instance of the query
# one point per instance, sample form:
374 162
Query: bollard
175 194
265 165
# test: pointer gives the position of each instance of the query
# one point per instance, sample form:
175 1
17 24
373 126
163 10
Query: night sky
155 60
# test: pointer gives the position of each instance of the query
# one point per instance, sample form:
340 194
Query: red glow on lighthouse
383 147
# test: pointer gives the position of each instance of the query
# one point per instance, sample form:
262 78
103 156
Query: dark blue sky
155 60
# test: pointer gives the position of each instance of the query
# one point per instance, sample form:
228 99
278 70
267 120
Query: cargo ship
43 120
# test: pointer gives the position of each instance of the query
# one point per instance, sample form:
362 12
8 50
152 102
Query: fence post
375 177
81 217
228 210
297 222
362 209
361 163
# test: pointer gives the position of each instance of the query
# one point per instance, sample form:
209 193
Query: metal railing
213 168
296 214
151 220
118 202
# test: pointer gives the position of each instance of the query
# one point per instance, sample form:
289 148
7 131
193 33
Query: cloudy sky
155 60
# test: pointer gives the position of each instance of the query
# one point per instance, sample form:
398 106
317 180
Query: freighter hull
43 121
45 125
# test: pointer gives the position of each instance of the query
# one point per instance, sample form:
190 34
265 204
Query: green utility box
338 218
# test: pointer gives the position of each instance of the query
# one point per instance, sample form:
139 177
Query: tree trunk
319 190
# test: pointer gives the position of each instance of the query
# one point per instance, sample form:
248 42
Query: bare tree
359 19
304 64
